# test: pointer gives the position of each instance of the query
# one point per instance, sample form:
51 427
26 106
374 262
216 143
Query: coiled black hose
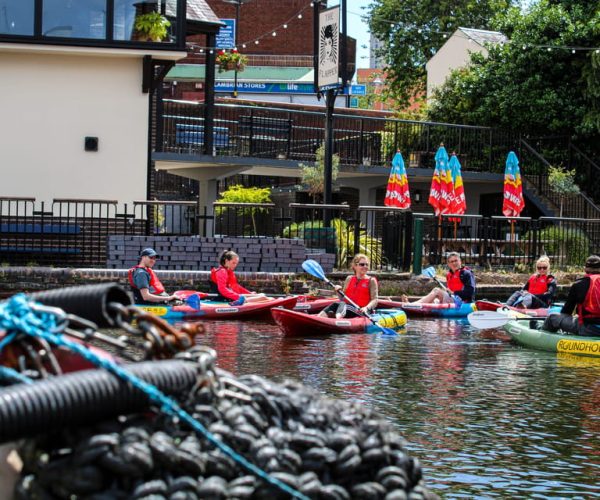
87 301
85 397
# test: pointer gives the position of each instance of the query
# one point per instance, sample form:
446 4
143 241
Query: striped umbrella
397 193
441 192
513 203
459 202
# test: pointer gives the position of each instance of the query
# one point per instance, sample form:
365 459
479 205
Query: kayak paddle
493 319
192 300
430 273
313 268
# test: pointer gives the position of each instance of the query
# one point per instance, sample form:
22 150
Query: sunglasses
363 264
542 267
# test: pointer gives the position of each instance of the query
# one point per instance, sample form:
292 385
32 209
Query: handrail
83 200
318 205
336 115
234 204
159 202
535 153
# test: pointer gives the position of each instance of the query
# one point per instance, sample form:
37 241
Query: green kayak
553 342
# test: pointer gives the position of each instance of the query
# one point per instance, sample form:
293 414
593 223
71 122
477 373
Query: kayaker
145 285
359 287
539 290
460 282
224 284
583 297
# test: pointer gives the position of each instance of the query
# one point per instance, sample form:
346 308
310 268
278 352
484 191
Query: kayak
440 310
542 340
210 309
487 305
309 304
299 324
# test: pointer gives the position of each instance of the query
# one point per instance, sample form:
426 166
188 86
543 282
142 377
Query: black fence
74 233
358 140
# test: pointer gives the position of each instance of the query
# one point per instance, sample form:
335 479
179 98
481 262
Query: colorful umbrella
459 202
441 192
513 203
397 194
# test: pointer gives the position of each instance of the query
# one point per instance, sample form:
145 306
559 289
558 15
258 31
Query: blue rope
16 314
7 340
13 376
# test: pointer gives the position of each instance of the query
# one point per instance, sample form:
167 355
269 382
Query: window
16 17
74 18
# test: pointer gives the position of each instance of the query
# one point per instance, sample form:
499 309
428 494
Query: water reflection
486 418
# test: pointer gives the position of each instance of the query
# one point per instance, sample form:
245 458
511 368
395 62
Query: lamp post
237 4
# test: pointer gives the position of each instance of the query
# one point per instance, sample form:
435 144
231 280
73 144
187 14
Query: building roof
483 37
197 11
250 73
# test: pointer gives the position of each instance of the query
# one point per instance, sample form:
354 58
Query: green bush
571 243
344 240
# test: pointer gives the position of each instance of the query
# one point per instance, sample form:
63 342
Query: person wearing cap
584 297
146 287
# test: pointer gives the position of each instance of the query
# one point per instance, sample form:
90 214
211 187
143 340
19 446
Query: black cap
149 252
593 262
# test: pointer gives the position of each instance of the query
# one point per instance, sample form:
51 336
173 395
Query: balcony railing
268 132
74 233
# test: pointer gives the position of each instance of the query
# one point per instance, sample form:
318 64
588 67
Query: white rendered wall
49 103
454 54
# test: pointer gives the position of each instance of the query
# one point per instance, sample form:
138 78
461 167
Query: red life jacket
154 281
453 280
590 309
358 290
538 284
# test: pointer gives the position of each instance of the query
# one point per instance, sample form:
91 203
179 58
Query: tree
527 88
240 194
313 176
562 182
413 31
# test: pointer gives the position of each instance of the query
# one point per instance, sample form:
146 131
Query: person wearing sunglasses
361 288
460 282
583 297
145 285
539 290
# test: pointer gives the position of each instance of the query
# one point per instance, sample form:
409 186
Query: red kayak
488 305
218 310
299 324
309 304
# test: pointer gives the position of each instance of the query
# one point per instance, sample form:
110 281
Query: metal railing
269 132
75 233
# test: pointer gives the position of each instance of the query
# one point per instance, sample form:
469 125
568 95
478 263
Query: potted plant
231 60
151 27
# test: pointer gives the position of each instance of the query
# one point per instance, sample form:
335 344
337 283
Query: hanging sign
225 38
329 49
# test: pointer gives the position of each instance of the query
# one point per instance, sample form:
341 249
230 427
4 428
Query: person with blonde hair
539 290
359 287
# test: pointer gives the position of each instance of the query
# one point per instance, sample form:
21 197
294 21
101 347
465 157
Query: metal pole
235 43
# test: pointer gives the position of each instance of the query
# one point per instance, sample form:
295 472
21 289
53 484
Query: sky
357 28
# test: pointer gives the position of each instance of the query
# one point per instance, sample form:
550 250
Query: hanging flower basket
229 61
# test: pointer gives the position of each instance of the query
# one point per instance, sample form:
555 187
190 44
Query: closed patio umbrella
397 193
459 202
513 202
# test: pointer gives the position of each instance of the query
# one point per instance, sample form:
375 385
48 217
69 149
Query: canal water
487 419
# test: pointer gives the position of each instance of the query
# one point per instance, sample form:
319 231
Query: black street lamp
237 4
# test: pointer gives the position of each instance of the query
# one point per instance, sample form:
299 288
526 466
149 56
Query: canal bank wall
493 286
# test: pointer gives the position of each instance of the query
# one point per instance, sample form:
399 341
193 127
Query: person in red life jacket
460 283
583 297
360 288
224 284
146 287
539 290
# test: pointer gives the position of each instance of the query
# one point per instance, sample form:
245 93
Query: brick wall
202 253
258 17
